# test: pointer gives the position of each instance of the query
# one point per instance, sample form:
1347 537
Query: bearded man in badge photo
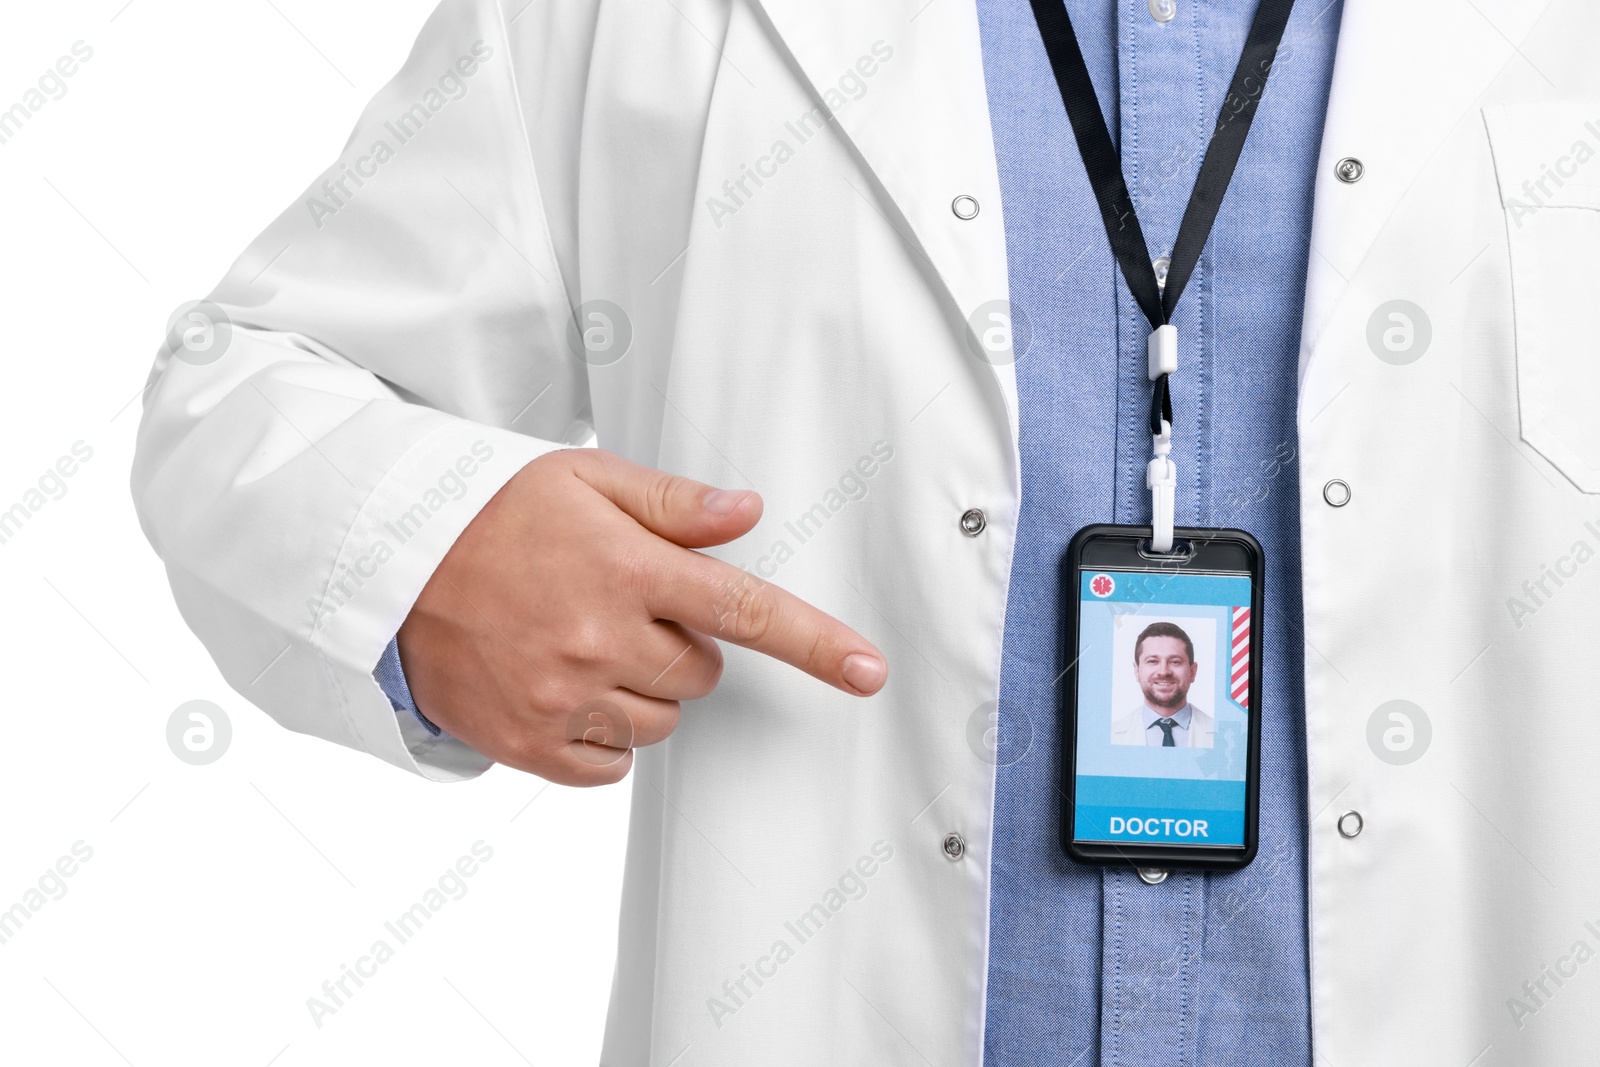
1165 668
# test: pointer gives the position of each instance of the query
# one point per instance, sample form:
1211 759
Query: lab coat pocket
1547 164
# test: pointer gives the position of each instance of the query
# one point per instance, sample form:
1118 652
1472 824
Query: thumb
682 510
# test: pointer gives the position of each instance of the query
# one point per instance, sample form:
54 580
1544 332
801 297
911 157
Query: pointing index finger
718 599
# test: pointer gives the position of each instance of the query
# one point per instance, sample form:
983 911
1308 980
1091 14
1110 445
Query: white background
219 898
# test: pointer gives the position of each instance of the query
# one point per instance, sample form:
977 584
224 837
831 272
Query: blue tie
1166 732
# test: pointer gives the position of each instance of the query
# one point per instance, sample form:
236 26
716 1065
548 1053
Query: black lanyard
1105 169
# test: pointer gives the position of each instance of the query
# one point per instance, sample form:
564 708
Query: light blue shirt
1087 965
392 680
1090 966
1154 735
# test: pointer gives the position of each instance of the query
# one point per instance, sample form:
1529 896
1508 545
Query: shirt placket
1152 935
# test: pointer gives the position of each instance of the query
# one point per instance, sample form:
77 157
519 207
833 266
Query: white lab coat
783 331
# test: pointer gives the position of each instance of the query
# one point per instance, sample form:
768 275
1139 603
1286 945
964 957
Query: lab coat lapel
1405 78
922 130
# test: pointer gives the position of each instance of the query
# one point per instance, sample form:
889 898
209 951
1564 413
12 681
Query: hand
571 617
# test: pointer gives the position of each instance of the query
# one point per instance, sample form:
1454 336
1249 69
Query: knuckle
526 751
608 773
665 723
745 611
602 724
711 667
541 700
587 641
564 468
636 573
591 462
817 654
565 459
659 495
693 666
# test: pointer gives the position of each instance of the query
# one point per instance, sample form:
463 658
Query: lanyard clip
1162 478
1161 351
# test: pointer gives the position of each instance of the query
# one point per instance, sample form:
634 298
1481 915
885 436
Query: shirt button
954 846
1162 264
1350 824
1163 10
965 207
973 522
1349 169
1153 875
1336 493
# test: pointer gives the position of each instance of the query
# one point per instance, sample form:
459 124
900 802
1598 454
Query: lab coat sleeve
380 362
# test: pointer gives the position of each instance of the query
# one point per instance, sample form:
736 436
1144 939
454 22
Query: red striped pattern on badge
1241 657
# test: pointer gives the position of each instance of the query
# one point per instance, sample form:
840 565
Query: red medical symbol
1102 585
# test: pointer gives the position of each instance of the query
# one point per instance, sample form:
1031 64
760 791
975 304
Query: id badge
1160 698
